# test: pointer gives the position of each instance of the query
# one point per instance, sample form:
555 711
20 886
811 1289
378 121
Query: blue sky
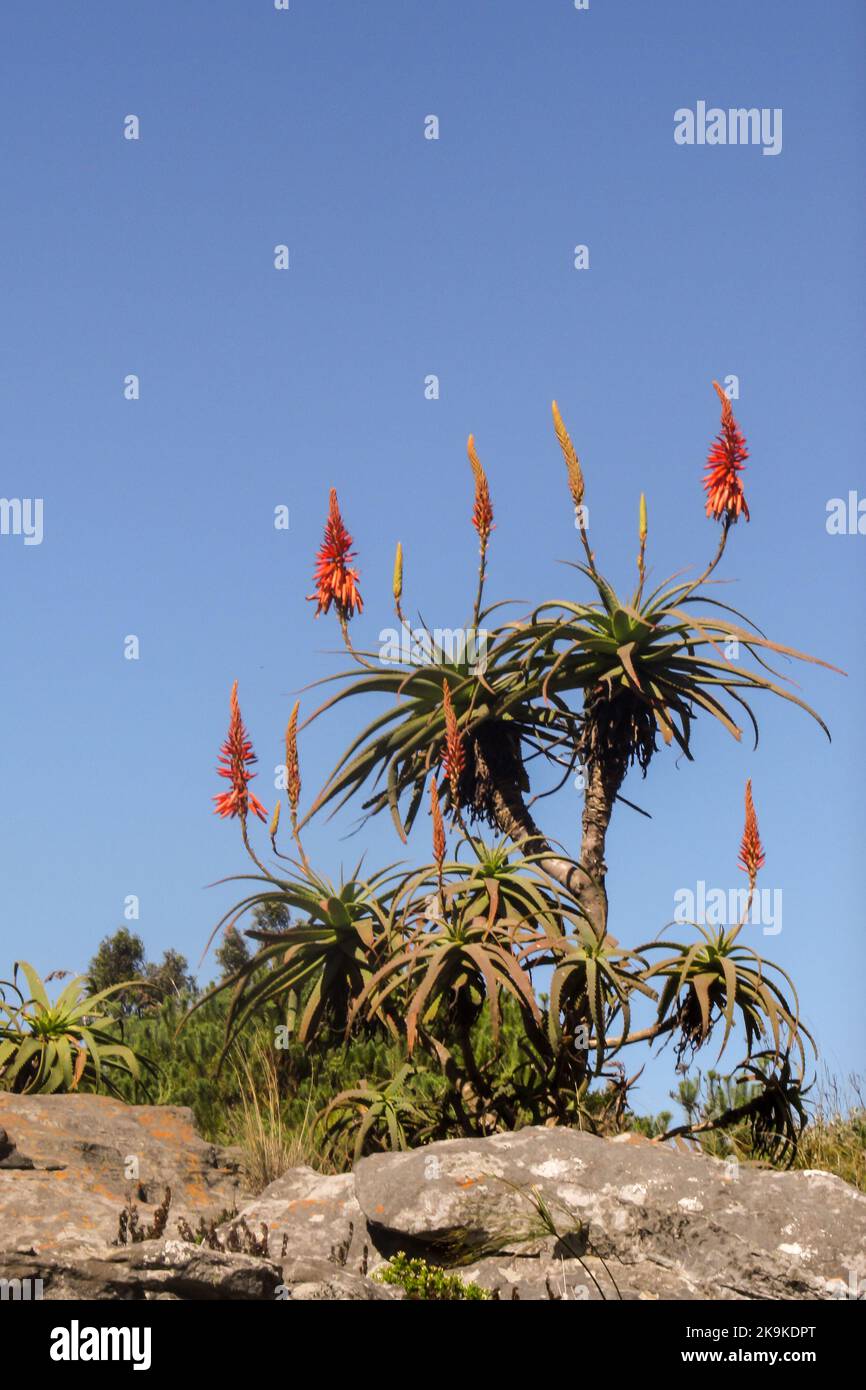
411 257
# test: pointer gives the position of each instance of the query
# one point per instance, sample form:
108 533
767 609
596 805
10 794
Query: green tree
119 958
170 979
233 954
271 915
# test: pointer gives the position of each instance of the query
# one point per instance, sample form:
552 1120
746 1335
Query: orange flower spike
336 582
236 756
438 827
482 512
454 756
293 771
722 482
752 856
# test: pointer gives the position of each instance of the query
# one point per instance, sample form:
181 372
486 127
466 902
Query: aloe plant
589 682
333 949
376 1116
592 983
716 978
62 1045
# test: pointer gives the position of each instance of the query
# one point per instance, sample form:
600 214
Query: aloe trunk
585 880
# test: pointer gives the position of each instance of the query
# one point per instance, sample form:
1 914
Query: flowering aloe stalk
752 856
726 500
293 776
236 756
453 754
397 583
482 518
438 827
643 531
576 484
722 482
335 580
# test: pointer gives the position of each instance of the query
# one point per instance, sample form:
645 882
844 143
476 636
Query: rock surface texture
540 1214
63 1182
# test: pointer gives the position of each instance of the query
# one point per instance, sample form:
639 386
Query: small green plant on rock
427 1282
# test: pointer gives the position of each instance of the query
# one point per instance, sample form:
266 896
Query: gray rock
69 1192
151 1269
660 1220
625 1218
542 1270
314 1216
9 1155
319 1281
178 1270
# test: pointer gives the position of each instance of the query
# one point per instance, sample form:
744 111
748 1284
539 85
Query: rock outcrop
74 1161
631 1217
543 1213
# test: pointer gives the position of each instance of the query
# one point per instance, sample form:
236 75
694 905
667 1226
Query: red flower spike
724 465
335 581
235 757
752 856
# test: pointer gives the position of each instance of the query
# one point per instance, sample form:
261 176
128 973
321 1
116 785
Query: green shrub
428 1282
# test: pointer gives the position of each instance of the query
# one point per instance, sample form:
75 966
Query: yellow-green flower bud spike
569 453
398 573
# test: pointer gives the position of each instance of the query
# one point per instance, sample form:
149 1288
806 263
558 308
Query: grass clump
835 1138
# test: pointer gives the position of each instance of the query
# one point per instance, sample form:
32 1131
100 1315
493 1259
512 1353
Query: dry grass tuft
835 1138
270 1147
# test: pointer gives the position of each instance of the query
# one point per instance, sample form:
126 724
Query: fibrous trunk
497 769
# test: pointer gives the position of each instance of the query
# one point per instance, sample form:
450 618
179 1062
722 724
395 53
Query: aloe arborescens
589 683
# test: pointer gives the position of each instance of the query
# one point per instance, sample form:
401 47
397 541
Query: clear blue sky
411 257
